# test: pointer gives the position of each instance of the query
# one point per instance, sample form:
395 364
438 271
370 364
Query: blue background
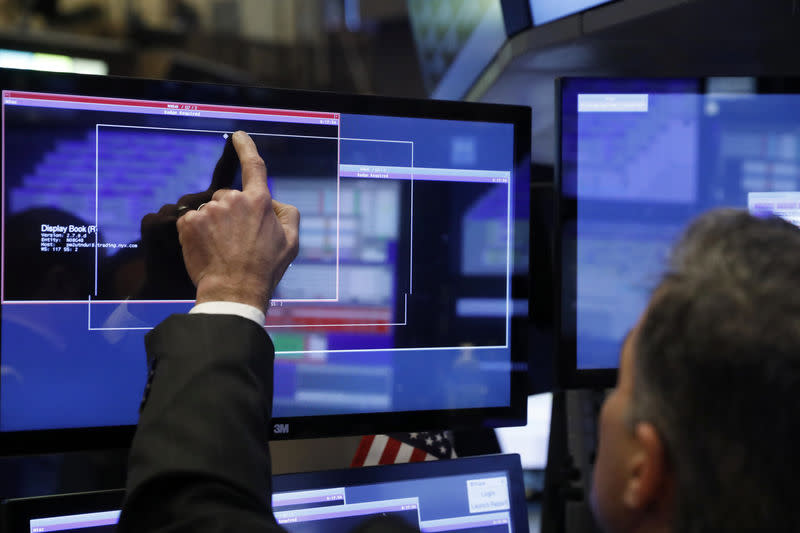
59 375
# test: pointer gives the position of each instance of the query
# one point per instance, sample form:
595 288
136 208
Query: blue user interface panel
464 496
461 502
640 159
399 299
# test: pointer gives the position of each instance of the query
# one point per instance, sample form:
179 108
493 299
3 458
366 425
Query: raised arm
199 461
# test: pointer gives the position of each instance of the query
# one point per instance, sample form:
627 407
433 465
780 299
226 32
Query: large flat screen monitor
639 158
405 309
470 494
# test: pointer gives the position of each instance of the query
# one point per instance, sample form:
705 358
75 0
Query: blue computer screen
640 159
476 502
545 11
483 494
399 299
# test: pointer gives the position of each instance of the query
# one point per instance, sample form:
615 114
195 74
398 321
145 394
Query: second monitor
641 157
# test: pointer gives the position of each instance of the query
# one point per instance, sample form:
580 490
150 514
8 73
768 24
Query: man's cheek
598 504
605 477
606 491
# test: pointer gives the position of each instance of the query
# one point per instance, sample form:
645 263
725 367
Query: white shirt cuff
231 308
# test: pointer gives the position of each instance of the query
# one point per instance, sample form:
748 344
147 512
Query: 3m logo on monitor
280 429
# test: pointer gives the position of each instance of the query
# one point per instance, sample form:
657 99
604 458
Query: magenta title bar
97 103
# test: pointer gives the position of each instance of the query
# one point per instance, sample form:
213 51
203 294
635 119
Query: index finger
225 170
254 171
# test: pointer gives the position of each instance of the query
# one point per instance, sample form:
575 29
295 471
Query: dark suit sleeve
199 461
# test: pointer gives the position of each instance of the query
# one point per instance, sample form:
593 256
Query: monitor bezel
68 439
568 374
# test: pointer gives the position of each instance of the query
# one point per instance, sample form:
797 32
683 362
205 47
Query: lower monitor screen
399 299
640 159
481 494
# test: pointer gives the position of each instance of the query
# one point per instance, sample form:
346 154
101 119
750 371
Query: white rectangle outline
508 260
97 203
467 519
68 520
510 228
619 103
291 495
411 217
279 301
405 321
294 326
367 505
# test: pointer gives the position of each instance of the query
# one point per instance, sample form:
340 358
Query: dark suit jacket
199 461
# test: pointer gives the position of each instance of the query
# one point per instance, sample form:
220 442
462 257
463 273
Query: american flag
402 448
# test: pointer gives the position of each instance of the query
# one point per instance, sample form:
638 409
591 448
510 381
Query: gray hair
717 371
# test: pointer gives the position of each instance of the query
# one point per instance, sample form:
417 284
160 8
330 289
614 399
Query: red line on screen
166 105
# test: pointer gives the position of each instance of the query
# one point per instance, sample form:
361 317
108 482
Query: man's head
702 431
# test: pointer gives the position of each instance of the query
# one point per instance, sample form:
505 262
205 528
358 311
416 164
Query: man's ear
648 474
